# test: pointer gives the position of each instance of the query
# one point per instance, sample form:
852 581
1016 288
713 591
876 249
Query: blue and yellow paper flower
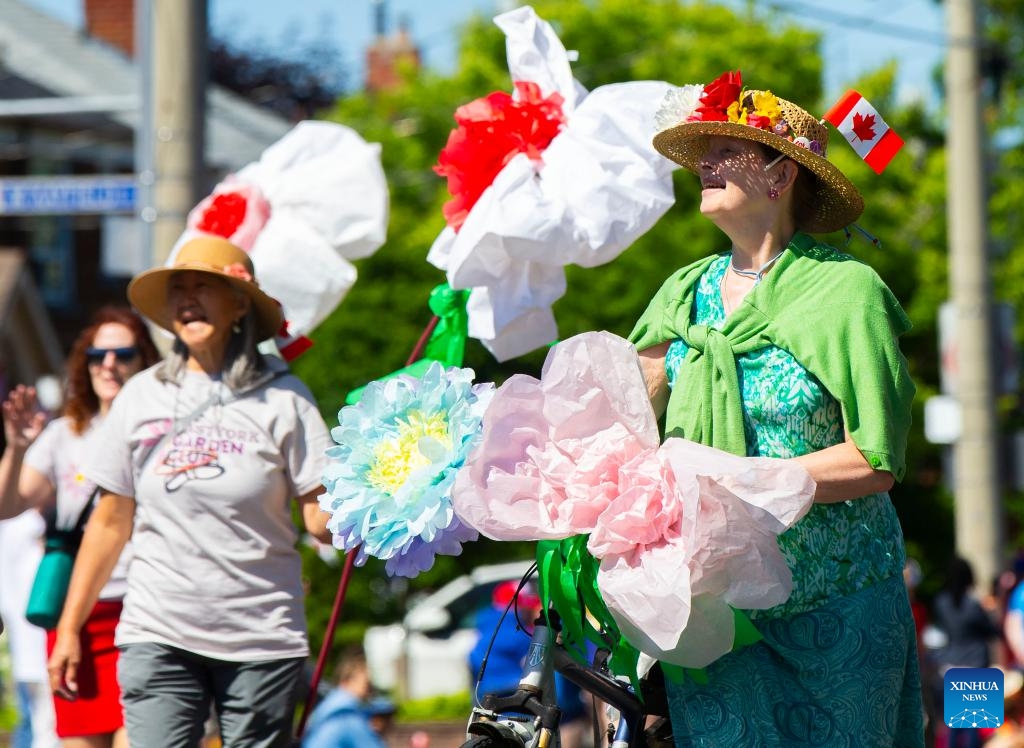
389 478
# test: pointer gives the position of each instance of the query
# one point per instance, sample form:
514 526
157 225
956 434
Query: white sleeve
40 454
109 464
304 448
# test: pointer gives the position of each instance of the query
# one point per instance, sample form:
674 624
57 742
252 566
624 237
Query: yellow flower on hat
766 104
736 113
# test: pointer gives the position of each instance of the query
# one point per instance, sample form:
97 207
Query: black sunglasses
123 355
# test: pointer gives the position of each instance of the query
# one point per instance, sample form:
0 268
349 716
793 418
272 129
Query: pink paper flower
237 270
683 532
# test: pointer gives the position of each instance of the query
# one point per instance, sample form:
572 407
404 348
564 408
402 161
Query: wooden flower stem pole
346 574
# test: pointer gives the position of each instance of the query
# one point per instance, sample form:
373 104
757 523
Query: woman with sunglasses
41 468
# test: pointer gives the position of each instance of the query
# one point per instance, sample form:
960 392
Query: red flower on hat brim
718 96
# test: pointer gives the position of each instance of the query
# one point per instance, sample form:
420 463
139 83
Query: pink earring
773 194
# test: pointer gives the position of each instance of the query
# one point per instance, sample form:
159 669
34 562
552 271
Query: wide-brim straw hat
147 292
839 202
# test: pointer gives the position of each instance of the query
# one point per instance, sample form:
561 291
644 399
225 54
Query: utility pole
171 174
978 510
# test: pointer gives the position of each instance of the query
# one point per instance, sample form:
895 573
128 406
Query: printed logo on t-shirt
73 483
75 491
196 454
973 697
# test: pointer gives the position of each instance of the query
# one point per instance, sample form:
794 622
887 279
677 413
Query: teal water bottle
50 586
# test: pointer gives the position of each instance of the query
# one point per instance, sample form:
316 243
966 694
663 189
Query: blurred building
69 106
391 54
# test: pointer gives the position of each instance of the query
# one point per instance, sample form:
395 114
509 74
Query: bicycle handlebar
610 690
534 696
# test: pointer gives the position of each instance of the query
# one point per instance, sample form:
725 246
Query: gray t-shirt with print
215 570
59 455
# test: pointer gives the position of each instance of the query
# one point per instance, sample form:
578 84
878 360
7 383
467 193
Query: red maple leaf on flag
864 127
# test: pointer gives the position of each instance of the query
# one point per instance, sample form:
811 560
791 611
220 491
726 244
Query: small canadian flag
862 125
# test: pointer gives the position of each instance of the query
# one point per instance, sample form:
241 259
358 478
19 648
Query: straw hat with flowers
206 254
693 113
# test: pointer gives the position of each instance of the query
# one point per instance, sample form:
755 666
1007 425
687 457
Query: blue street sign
99 193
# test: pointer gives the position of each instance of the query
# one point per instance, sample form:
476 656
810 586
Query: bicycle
529 717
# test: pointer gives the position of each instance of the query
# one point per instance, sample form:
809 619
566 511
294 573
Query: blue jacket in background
505 662
340 722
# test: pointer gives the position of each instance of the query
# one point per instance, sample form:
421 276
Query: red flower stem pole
332 624
346 574
417 352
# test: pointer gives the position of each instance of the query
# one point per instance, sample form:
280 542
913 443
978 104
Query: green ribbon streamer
568 582
415 369
447 342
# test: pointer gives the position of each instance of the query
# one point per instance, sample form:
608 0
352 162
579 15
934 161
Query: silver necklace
756 275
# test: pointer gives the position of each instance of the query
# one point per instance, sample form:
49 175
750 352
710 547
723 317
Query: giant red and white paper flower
548 176
314 201
491 131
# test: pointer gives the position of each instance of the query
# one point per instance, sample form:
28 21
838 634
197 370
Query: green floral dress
838 664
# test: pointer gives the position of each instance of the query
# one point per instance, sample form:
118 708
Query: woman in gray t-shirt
201 458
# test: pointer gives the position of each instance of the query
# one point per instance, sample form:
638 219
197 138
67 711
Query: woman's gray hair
243 364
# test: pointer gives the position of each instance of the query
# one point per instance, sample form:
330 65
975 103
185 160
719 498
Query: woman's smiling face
732 176
112 358
203 308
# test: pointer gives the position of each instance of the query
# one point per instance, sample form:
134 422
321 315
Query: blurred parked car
427 653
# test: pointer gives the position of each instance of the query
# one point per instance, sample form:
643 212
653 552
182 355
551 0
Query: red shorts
97 710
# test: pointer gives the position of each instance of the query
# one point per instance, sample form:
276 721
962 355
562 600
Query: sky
857 38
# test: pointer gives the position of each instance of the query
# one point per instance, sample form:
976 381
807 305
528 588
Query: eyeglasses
96 356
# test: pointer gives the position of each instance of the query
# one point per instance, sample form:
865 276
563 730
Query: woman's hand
22 487
313 517
63 664
23 420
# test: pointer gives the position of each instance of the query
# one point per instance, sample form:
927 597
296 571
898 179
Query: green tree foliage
377 326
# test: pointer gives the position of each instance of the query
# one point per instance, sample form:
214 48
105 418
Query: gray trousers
167 694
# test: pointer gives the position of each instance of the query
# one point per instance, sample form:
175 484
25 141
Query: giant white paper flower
315 200
593 190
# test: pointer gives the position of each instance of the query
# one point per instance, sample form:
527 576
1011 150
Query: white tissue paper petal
646 589
309 280
535 53
517 335
325 175
328 204
598 186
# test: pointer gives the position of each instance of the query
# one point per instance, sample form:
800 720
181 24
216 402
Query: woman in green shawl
784 347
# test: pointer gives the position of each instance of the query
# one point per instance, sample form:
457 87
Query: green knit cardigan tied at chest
830 311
